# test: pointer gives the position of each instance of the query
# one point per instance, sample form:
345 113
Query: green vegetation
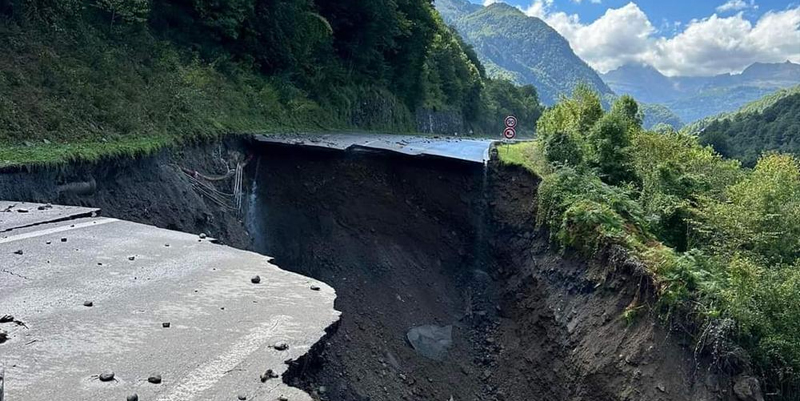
85 79
771 123
721 243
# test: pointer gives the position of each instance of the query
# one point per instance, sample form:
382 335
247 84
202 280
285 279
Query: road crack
14 274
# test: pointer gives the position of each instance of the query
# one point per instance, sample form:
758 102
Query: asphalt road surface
223 328
473 150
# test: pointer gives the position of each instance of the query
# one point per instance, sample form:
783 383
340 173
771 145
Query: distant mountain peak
450 10
635 66
521 48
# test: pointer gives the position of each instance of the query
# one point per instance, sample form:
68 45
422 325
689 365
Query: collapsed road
97 308
448 289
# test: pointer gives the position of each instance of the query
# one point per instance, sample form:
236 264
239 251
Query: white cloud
736 5
489 2
539 8
707 46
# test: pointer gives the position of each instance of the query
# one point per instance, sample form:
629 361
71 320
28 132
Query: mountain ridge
694 98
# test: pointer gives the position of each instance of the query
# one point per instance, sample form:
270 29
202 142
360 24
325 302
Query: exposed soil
564 336
409 242
394 236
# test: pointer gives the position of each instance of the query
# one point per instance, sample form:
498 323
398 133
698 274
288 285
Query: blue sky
678 37
658 10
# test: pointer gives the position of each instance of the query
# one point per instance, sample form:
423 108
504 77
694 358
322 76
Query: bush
583 212
609 141
561 149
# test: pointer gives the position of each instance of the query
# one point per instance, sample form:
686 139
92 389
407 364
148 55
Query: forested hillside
81 78
769 124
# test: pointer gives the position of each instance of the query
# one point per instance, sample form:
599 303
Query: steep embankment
153 190
409 242
412 242
564 329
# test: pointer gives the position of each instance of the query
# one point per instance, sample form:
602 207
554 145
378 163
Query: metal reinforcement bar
229 201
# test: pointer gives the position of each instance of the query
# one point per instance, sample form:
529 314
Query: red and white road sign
511 122
510 133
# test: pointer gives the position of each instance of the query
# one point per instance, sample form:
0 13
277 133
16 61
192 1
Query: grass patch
526 154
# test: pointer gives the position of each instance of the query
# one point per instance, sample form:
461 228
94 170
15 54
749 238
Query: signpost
511 127
511 122
510 132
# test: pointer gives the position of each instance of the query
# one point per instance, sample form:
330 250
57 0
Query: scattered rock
314 288
165 325
281 346
22 210
747 388
202 235
6 318
283 398
3 336
322 389
269 374
18 252
131 258
106 376
88 303
241 397
133 397
64 239
155 379
660 387
255 279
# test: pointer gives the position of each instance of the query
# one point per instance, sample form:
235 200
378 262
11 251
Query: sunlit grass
527 155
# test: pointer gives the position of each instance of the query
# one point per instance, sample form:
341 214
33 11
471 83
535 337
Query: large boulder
747 388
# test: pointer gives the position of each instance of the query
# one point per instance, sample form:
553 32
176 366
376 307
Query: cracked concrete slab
14 215
222 327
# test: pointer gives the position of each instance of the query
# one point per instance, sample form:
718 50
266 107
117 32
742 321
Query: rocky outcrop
441 122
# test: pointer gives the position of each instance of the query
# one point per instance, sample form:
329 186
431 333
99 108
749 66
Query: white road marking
204 377
66 227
